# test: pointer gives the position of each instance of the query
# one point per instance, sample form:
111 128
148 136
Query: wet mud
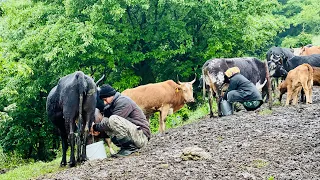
284 144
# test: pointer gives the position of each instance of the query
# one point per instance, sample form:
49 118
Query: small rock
247 176
194 153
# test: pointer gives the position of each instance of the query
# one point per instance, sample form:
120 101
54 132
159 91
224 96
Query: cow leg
78 140
302 96
307 92
295 95
218 104
289 95
64 139
210 104
163 114
72 162
59 122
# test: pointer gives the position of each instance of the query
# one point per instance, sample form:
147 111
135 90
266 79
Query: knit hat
232 71
106 91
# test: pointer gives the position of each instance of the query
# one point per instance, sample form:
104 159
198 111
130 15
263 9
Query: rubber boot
127 147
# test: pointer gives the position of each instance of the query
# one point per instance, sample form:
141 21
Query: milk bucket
226 108
96 151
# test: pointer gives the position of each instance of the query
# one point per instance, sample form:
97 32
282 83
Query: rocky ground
282 144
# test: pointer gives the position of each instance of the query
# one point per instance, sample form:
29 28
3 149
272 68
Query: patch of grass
11 161
265 112
220 138
33 170
259 163
271 178
276 103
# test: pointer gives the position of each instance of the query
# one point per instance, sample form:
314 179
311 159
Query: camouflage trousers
121 128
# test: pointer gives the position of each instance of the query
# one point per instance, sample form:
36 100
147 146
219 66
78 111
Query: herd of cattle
71 103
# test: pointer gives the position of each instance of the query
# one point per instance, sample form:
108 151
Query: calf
73 98
163 97
298 78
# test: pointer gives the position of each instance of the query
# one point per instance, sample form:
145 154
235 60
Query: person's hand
92 132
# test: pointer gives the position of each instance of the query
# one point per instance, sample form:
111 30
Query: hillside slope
248 145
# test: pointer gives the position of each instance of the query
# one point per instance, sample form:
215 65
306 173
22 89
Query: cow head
277 70
277 59
187 90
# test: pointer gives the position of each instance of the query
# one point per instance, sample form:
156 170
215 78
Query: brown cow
298 78
306 51
161 97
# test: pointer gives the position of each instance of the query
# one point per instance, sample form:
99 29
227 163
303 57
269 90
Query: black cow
313 60
277 54
73 98
251 68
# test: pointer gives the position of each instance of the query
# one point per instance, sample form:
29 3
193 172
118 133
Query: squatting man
123 121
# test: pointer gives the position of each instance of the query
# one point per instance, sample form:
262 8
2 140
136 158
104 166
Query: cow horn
178 79
194 80
100 80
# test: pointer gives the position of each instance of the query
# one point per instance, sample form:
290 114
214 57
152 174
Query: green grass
271 178
33 170
258 163
265 112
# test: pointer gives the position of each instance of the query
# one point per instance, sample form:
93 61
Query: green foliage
301 17
183 116
297 41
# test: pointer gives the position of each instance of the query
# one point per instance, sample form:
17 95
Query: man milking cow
123 121
240 90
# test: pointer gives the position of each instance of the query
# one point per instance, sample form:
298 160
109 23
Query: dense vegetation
133 42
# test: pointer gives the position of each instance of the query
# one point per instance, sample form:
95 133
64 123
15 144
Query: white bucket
96 151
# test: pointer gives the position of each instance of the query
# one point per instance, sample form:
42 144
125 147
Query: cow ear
178 89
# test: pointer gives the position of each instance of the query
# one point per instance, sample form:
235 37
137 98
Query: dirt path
247 145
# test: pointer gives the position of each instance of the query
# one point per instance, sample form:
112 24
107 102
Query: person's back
248 89
241 90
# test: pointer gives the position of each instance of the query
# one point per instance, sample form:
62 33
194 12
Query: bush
297 41
184 115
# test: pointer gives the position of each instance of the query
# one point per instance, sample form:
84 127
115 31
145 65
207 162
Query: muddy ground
284 144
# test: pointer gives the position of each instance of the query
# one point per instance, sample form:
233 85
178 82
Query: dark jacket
247 90
125 107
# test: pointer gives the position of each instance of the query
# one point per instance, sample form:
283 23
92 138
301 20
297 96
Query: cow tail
81 88
203 85
310 69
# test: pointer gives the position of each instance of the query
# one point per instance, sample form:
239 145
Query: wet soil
284 144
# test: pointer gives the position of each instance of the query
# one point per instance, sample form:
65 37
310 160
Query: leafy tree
136 42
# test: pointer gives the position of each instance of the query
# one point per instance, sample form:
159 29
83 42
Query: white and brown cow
161 97
252 68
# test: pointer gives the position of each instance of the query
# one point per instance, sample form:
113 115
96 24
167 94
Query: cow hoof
73 164
83 159
63 164
160 134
